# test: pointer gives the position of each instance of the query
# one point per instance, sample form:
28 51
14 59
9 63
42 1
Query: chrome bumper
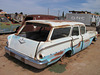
26 59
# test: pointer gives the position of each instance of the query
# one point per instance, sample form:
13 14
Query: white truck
87 19
40 43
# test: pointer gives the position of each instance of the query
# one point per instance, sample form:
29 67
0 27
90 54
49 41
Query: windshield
3 19
35 31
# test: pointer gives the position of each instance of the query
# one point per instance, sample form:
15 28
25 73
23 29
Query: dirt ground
86 62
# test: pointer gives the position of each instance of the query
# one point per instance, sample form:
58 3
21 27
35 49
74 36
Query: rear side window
82 29
60 32
75 31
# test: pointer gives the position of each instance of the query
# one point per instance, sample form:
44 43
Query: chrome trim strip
54 45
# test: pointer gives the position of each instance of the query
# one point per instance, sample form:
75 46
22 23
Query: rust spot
12 54
22 59
7 24
59 53
61 26
20 29
87 40
55 58
60 21
80 24
78 45
98 35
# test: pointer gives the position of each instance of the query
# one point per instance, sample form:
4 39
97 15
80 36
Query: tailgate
23 45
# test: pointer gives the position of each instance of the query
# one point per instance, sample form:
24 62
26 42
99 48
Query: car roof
57 23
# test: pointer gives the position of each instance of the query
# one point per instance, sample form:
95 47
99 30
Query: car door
77 39
85 36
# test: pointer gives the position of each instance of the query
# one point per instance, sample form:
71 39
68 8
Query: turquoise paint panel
86 44
50 57
76 48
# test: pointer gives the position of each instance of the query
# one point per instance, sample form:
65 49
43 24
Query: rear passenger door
77 39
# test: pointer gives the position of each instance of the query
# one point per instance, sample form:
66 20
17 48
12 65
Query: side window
75 31
60 32
82 29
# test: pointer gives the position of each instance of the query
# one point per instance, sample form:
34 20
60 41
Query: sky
55 7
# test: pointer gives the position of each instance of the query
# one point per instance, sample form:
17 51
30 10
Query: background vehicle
39 17
7 26
85 17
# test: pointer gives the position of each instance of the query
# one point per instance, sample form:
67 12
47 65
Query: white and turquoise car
40 43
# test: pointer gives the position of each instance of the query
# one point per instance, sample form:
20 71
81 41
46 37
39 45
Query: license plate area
12 54
17 57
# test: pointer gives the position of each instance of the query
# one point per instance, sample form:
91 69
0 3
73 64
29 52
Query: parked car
7 26
40 43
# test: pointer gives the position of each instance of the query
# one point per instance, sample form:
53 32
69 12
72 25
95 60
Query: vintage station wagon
40 43
6 26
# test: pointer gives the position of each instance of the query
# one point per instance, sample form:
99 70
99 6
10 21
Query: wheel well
68 53
94 39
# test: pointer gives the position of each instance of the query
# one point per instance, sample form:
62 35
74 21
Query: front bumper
26 59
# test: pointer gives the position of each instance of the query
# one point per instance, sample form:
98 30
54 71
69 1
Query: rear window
35 31
60 32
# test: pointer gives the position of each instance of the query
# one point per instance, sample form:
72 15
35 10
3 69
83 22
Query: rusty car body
7 26
39 17
40 43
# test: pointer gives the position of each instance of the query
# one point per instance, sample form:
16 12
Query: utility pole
58 13
48 11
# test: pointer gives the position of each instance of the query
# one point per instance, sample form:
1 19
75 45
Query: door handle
75 38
